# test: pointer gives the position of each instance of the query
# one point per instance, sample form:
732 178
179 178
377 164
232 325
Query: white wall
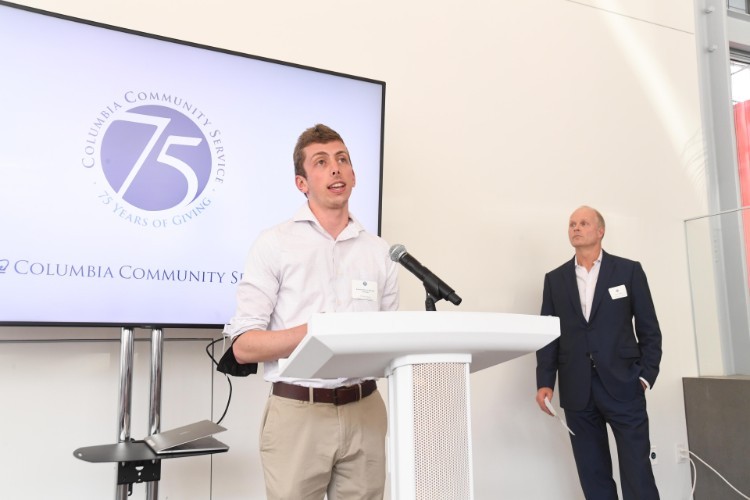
501 118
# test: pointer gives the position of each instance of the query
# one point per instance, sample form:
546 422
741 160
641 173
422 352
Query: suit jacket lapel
602 282
571 285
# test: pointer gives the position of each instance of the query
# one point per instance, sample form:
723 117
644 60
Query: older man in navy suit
605 365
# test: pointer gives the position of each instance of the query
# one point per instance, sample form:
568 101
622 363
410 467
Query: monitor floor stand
137 463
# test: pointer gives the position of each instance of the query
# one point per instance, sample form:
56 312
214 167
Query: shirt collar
304 214
597 261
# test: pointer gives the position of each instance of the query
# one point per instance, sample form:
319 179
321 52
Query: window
738 6
718 242
740 82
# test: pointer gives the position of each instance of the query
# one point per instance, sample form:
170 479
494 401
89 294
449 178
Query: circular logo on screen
157 159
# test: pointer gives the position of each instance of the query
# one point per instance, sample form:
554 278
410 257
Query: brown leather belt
338 396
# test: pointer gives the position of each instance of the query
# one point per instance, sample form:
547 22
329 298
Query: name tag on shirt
365 290
618 292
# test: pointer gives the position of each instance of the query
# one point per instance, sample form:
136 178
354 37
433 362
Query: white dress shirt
296 269
586 281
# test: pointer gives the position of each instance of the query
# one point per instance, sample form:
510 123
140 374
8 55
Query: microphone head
396 252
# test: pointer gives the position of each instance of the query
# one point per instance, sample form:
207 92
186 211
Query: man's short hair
597 214
319 134
599 218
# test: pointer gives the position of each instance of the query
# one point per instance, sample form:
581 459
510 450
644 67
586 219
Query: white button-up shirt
587 284
296 269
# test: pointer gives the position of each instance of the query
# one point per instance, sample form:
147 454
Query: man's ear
301 183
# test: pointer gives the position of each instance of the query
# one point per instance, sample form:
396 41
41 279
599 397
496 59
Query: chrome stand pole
126 398
154 416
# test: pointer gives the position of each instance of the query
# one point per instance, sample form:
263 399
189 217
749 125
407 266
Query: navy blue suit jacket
621 354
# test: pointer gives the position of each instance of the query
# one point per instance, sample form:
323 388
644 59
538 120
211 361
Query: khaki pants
310 449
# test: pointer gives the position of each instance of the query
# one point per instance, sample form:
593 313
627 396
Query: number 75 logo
156 158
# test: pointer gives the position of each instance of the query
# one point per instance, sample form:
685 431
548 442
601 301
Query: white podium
427 358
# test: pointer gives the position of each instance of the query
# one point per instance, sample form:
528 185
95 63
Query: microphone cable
229 381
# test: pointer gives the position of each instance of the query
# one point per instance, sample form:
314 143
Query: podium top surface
363 344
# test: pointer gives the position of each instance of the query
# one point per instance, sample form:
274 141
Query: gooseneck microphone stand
436 292
429 302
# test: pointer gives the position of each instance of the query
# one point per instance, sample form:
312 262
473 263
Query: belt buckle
344 390
336 401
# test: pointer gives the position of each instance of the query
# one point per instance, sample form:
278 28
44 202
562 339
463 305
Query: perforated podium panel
430 438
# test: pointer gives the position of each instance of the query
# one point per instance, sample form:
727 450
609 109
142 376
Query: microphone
434 285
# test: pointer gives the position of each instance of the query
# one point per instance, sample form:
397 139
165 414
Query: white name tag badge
365 290
618 292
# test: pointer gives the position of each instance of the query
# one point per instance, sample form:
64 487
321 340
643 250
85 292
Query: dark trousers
629 423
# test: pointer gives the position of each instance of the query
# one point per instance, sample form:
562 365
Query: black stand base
138 472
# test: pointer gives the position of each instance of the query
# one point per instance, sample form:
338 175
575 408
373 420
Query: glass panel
741 102
719 349
740 80
738 5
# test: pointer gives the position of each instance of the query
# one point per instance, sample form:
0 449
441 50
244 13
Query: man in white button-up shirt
318 436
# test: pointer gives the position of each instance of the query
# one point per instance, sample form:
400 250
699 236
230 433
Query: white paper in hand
554 413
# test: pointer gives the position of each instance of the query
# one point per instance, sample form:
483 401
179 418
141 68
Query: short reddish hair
319 134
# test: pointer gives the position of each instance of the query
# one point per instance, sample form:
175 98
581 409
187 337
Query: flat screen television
137 170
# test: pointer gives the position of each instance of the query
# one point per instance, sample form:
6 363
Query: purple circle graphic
156 158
